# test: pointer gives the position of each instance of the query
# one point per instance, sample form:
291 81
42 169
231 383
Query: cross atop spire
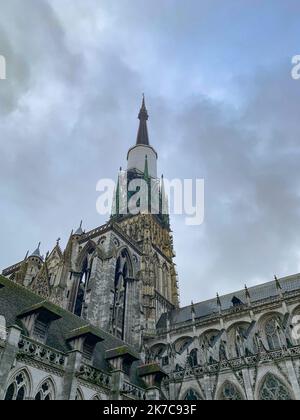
142 136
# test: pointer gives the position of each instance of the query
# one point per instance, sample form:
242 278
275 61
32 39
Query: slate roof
210 307
15 299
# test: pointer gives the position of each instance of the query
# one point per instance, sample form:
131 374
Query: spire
37 252
142 136
79 231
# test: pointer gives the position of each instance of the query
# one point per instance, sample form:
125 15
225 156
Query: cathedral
101 319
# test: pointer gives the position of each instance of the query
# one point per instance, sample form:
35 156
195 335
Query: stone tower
120 276
148 225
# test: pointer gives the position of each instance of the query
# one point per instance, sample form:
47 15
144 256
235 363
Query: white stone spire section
137 155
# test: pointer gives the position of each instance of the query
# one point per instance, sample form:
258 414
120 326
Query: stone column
117 380
172 391
207 388
153 394
248 387
101 285
70 382
293 378
8 357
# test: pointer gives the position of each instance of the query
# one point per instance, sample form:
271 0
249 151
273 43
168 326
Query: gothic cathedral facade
120 280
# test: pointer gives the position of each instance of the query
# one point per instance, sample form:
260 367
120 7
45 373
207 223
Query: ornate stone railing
231 311
95 232
11 269
95 376
41 352
239 363
132 391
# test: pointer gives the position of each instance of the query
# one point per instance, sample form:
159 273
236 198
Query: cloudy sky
222 105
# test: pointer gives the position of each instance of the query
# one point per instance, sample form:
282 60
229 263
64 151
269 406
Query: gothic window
19 388
155 266
165 361
272 334
273 390
165 282
191 395
122 272
183 344
83 285
230 392
194 357
46 392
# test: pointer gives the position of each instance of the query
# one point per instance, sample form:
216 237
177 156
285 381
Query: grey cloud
68 117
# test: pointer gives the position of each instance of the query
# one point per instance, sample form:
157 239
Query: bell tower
149 227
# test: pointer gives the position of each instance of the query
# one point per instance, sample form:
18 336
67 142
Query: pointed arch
229 392
79 395
158 350
123 272
88 248
46 391
273 389
96 398
237 335
125 254
191 395
84 265
19 386
182 344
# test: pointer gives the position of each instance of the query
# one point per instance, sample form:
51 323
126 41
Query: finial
37 252
247 292
79 231
58 241
192 307
278 285
219 300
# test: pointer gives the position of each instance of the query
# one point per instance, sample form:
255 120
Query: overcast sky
222 106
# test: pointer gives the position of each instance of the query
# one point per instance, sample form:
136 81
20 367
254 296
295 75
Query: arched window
194 357
165 281
19 387
122 272
273 390
230 392
272 334
191 395
83 286
182 344
46 392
